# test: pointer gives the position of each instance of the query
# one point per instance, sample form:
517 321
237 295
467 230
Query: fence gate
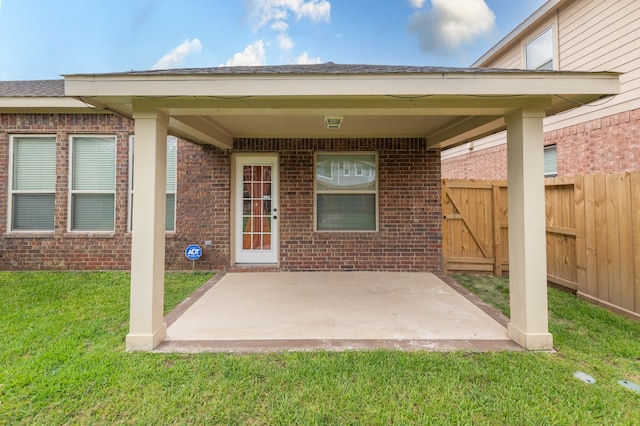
592 233
471 232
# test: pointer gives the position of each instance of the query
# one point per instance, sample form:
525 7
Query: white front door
256 208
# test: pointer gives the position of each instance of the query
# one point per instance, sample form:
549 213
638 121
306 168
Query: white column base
146 342
530 341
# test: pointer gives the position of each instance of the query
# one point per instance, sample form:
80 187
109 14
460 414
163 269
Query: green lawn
62 361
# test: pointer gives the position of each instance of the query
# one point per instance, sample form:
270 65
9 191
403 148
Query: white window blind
93 174
33 183
171 183
346 192
550 161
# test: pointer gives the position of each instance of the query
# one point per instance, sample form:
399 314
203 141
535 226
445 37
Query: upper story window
33 183
550 161
346 187
170 212
93 183
539 52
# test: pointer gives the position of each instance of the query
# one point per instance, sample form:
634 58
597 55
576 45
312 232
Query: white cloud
266 11
174 58
280 26
254 54
275 15
305 59
285 42
449 24
417 3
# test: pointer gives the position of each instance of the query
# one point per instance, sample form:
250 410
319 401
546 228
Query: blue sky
43 39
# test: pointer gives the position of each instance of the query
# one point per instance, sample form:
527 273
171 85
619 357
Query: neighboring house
294 168
569 35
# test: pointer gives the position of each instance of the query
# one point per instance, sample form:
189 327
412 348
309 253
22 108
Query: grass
62 361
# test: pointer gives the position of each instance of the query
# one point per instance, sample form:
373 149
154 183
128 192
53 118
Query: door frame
236 203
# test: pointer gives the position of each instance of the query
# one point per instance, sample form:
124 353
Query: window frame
554 49
547 148
72 191
11 192
349 159
173 192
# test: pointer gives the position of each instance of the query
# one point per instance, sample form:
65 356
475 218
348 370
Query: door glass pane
256 207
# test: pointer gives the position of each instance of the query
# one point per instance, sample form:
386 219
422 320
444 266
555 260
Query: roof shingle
32 88
326 68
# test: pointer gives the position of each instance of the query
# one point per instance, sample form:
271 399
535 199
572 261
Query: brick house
569 35
293 168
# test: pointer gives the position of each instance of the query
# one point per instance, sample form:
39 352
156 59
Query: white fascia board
466 83
487 142
41 103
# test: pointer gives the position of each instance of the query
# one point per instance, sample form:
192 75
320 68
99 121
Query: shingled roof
310 69
32 88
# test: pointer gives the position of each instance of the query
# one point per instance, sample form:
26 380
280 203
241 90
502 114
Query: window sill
28 234
167 234
89 234
45 235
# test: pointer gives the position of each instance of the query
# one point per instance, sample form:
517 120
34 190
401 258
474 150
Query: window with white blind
346 187
170 203
93 183
550 161
33 183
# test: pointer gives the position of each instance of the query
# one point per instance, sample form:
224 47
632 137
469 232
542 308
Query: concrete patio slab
276 311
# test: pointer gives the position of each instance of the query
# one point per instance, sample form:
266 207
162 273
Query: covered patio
284 311
439 107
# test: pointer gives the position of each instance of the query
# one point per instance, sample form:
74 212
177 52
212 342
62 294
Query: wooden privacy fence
593 234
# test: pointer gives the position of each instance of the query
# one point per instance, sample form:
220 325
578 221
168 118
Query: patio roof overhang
445 106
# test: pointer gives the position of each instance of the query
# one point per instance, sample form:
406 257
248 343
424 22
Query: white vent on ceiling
333 122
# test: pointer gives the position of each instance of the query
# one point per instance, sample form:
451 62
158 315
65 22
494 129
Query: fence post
635 229
581 241
497 231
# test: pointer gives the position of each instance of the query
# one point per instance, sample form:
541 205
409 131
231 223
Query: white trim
452 83
487 142
44 103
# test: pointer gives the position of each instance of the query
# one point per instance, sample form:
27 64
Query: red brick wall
606 145
409 237
203 172
202 207
62 249
485 164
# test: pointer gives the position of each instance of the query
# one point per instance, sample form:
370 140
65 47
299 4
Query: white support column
529 326
146 324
